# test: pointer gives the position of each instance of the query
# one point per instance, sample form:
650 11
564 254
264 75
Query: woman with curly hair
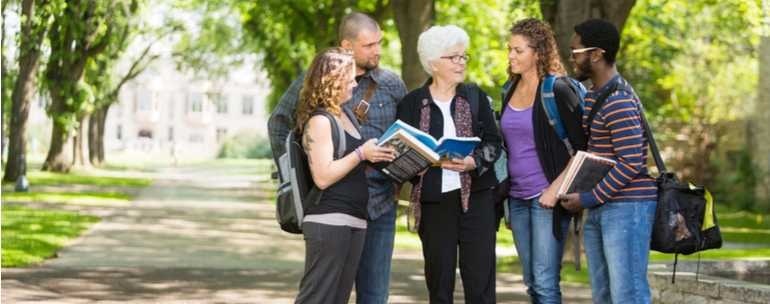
335 228
536 155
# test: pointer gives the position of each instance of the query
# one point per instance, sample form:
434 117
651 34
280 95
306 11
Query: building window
171 133
196 138
119 132
219 101
144 101
248 105
221 133
195 103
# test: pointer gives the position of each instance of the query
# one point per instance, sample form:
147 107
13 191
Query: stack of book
584 171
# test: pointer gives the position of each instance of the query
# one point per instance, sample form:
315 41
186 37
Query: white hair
434 43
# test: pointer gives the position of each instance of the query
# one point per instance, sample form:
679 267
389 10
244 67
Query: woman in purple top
536 155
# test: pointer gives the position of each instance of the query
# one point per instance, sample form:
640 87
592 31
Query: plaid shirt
382 113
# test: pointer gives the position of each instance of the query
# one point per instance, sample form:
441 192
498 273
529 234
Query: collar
462 89
374 75
615 80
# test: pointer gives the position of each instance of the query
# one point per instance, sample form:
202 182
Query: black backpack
297 191
685 217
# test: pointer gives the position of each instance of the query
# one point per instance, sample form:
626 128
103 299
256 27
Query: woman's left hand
459 165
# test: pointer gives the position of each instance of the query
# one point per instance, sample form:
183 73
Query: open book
584 171
417 150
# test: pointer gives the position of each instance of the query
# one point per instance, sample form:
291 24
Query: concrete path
202 235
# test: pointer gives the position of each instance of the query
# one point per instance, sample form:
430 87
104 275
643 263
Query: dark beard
583 70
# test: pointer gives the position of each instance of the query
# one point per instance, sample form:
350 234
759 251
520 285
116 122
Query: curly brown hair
542 39
325 84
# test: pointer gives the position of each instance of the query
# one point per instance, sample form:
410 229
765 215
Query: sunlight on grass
40 178
82 198
31 235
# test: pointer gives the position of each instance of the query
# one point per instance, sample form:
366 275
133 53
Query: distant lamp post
22 184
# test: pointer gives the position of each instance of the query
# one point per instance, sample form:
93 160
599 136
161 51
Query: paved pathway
199 235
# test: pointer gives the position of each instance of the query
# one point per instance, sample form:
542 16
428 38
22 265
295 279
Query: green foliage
694 66
80 31
31 235
736 186
289 33
245 145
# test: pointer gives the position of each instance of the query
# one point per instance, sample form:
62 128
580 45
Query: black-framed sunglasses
457 58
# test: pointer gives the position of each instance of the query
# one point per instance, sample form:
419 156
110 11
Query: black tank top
350 194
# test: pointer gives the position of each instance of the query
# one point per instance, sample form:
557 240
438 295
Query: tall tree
563 15
79 32
412 18
35 20
8 77
760 125
101 73
109 90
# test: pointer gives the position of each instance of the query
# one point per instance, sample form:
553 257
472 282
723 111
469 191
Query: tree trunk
412 18
56 160
23 91
96 135
563 15
78 160
761 117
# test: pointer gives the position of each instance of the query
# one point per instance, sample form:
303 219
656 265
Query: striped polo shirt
617 133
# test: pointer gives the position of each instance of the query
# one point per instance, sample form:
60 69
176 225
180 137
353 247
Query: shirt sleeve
281 121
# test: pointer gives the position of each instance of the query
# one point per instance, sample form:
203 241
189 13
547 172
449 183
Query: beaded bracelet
360 154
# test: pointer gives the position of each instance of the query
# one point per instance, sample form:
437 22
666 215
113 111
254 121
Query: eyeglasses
457 58
583 50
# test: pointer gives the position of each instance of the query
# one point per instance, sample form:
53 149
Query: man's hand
571 202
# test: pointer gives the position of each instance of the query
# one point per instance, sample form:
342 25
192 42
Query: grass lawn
32 235
739 229
81 198
40 178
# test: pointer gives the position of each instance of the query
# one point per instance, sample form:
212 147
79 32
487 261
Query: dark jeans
443 226
331 262
373 280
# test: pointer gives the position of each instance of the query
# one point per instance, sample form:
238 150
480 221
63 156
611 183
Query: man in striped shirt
621 207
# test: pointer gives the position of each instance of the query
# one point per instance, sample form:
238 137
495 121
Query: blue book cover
446 147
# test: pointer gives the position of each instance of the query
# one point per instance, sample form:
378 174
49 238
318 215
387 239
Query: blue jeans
373 279
617 242
539 252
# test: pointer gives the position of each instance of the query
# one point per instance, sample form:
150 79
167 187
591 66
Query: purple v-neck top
527 177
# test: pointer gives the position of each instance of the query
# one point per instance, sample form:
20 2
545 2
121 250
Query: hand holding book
415 151
374 153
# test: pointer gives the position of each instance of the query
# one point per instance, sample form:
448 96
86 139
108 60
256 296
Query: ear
596 56
433 66
346 44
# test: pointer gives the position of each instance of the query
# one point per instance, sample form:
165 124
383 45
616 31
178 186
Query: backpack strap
598 105
338 136
552 112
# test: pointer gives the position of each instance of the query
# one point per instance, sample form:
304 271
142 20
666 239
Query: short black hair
602 34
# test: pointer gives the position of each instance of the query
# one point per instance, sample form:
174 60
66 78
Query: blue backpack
549 104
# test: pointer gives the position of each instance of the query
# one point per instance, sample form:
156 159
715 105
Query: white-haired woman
453 203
